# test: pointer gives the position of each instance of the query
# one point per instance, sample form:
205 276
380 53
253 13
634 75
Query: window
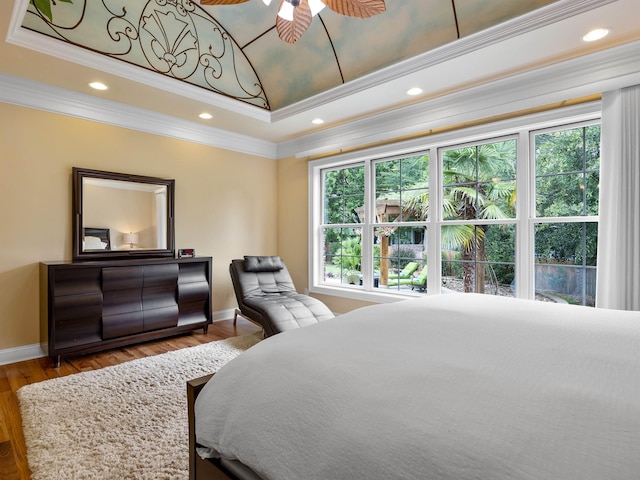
401 201
566 208
341 239
515 214
478 217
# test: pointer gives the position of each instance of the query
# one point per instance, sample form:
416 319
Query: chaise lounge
406 272
418 281
267 296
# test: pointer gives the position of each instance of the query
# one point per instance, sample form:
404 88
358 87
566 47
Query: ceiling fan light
316 6
286 11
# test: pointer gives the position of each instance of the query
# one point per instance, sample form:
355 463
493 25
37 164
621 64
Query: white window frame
521 128
437 274
533 219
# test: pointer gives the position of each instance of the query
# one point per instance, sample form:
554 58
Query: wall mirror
117 215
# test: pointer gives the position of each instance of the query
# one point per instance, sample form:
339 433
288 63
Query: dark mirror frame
78 226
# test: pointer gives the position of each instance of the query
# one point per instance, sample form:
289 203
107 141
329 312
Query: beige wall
226 202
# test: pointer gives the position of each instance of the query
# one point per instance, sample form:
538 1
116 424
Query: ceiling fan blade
292 31
356 8
221 2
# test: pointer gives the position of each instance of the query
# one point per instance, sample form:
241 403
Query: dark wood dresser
92 306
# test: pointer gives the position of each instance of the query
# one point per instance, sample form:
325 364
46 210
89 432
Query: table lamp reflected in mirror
130 238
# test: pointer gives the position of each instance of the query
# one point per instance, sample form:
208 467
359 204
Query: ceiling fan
294 16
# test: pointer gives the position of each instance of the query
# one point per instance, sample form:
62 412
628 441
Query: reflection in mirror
96 239
133 212
121 215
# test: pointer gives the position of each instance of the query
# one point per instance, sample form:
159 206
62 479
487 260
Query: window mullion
434 243
367 232
315 230
525 210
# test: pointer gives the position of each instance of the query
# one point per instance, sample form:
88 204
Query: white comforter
445 387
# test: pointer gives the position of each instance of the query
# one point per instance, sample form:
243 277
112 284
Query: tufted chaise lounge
267 296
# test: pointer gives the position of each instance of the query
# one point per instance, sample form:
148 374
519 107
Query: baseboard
223 315
29 352
20 354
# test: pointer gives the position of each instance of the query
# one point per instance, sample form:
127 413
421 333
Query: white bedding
444 387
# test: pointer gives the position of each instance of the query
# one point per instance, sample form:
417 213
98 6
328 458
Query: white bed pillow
93 243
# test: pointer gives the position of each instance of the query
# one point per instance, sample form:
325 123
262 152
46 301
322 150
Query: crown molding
591 74
533 20
587 75
32 94
513 28
595 73
615 68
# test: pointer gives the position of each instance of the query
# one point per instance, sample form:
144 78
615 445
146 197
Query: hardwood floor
13 455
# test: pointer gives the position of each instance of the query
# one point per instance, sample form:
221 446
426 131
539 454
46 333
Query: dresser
91 306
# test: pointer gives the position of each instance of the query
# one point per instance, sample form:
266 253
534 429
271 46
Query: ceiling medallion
294 16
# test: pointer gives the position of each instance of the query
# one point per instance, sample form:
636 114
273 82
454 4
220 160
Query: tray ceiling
167 61
234 50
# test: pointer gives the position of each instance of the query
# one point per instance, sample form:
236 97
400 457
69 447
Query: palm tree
478 184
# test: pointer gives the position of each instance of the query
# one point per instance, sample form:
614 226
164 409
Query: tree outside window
477 223
567 189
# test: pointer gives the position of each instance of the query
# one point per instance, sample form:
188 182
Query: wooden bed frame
199 468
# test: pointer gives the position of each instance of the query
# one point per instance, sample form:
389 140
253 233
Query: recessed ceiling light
205 116
317 121
98 86
596 34
414 91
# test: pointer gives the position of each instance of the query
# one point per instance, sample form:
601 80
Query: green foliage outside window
478 183
349 256
343 194
567 180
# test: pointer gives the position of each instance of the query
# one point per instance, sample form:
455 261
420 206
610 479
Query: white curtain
618 284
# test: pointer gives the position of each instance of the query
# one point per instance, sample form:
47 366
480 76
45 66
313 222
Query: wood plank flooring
13 454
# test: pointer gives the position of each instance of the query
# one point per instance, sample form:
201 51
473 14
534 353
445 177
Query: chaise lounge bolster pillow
263 263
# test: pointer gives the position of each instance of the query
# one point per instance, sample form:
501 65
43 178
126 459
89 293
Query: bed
96 239
452 386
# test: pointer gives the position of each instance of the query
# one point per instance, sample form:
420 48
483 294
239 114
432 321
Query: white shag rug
127 421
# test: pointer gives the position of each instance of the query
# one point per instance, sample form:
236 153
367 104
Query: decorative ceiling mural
234 50
173 38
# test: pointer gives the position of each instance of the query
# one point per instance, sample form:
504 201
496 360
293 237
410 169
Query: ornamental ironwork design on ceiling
175 38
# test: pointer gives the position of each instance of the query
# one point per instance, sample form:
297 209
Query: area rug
128 421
